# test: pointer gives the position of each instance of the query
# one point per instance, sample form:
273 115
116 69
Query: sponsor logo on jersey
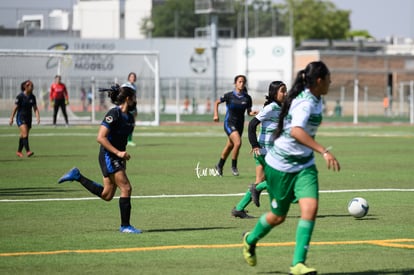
109 119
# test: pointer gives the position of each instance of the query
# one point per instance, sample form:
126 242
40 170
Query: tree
174 18
359 33
316 19
312 19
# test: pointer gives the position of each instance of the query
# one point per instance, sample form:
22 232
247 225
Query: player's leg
260 184
130 142
125 187
252 193
65 115
75 175
24 135
306 190
279 185
224 154
95 188
239 210
235 138
262 228
55 111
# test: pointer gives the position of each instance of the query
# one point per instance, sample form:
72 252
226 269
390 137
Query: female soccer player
238 102
132 77
268 118
23 105
290 168
59 98
113 133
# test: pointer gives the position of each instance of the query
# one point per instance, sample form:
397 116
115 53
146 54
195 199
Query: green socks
261 186
248 196
260 230
303 237
244 201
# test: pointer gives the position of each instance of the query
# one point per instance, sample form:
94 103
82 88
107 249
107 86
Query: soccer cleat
249 251
234 171
219 170
129 229
19 154
255 194
242 214
73 174
131 143
301 269
29 154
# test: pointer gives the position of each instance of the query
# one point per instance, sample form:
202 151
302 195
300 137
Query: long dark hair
305 78
23 85
118 94
273 89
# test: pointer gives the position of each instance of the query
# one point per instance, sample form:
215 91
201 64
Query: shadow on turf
30 191
370 272
187 229
42 156
368 217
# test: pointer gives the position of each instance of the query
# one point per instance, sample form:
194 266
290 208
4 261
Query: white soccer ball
358 207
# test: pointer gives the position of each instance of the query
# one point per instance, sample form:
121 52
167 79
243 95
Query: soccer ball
358 207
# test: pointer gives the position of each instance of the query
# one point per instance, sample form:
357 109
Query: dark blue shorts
20 120
110 164
231 127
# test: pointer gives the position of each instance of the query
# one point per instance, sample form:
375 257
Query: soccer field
184 210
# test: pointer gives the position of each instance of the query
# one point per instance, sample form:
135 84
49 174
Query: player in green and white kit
290 165
268 118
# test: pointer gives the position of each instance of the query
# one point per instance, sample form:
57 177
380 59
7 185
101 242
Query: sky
381 18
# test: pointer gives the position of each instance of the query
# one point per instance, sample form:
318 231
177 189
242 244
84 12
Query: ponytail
118 94
304 79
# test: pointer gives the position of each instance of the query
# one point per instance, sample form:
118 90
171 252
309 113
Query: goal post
83 72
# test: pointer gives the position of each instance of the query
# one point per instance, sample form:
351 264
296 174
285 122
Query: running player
290 168
268 118
23 105
238 102
113 133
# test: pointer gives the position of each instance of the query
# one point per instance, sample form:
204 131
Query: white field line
214 134
204 195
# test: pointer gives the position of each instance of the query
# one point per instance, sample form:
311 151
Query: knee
237 144
126 191
274 220
106 197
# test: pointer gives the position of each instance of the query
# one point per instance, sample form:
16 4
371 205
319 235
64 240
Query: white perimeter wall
269 59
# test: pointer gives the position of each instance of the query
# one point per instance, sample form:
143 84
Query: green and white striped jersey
287 154
268 118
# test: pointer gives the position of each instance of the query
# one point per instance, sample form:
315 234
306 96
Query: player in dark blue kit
238 102
113 134
24 103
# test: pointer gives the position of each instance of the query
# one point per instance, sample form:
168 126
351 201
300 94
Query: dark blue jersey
237 104
25 104
120 125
